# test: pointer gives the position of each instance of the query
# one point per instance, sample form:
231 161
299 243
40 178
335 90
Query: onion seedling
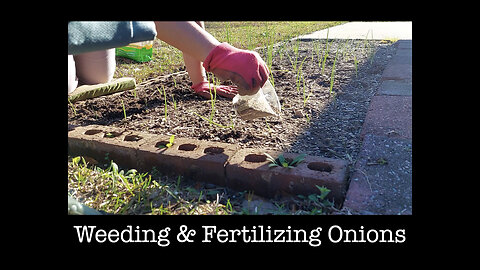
232 125
213 97
165 99
332 76
299 74
325 55
124 113
295 53
174 103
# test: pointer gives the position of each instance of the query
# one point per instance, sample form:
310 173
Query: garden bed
327 124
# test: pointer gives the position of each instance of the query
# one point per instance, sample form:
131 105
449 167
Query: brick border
213 162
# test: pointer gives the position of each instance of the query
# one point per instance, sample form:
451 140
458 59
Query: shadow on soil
334 131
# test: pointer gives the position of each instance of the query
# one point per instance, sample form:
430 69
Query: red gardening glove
244 68
222 90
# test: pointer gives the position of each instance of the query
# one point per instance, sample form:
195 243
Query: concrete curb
381 182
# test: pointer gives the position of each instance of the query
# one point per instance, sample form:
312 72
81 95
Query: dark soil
326 125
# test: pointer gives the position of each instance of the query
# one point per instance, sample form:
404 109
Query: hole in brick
132 138
92 131
255 158
162 144
112 134
320 166
213 150
187 147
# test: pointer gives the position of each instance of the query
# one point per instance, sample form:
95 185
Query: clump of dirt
324 124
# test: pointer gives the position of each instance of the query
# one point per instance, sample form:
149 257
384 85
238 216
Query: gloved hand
244 68
222 90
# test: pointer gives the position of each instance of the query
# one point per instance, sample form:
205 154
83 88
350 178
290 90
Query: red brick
213 162
92 141
199 160
312 172
248 170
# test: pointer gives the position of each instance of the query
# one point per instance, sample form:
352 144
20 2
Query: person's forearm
188 37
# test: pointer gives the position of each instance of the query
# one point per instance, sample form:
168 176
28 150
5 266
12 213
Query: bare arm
188 37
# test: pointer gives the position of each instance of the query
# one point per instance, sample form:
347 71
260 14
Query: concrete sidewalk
359 30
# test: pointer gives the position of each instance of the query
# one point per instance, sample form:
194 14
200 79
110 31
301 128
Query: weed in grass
318 201
228 33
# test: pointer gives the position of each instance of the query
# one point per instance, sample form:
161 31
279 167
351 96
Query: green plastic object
140 51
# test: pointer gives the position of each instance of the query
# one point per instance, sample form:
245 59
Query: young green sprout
332 76
169 144
282 162
327 49
165 100
213 97
124 113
